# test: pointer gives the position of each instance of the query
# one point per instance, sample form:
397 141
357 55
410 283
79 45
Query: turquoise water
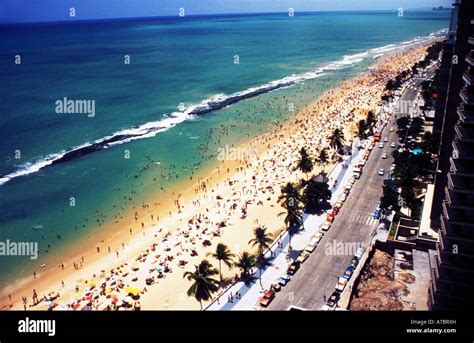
173 61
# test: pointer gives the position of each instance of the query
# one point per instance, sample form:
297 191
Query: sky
21 11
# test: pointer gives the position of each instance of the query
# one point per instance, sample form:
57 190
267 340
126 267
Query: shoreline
218 176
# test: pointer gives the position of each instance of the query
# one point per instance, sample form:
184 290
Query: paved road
318 275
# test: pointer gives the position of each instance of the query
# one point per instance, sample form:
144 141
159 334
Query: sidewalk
282 257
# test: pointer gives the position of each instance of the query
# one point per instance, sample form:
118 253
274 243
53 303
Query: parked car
381 171
384 155
303 256
275 287
318 236
348 273
293 268
335 211
325 226
377 213
333 299
267 298
381 145
393 145
359 252
282 281
385 139
330 218
391 129
341 284
354 262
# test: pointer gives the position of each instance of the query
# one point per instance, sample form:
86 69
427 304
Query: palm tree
290 195
304 162
245 262
370 118
261 263
222 254
293 219
322 159
336 141
314 194
261 239
361 128
203 284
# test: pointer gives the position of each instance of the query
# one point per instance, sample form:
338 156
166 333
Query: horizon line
79 21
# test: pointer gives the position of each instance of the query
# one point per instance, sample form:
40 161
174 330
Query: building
452 263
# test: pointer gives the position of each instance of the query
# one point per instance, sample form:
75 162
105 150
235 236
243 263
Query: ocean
192 85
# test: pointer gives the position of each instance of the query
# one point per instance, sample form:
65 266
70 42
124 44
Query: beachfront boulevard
315 281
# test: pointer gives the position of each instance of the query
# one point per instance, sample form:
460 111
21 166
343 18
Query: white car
384 155
324 227
381 171
341 284
392 168
311 245
318 236
385 139
381 145
393 145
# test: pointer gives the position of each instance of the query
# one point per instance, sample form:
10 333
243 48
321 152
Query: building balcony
464 134
464 185
450 229
468 76
467 95
457 214
466 114
462 167
470 58
462 151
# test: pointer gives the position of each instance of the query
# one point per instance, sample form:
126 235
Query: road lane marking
341 262
330 258
301 276
329 284
315 279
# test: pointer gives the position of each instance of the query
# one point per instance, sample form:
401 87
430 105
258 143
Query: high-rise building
452 265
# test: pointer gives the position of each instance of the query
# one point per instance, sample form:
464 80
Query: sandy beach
177 228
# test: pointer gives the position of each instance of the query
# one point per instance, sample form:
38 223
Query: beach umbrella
128 299
132 291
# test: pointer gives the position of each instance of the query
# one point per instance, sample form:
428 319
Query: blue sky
16 11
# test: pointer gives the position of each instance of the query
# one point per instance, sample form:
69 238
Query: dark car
334 298
293 268
377 213
354 262
335 211
348 273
